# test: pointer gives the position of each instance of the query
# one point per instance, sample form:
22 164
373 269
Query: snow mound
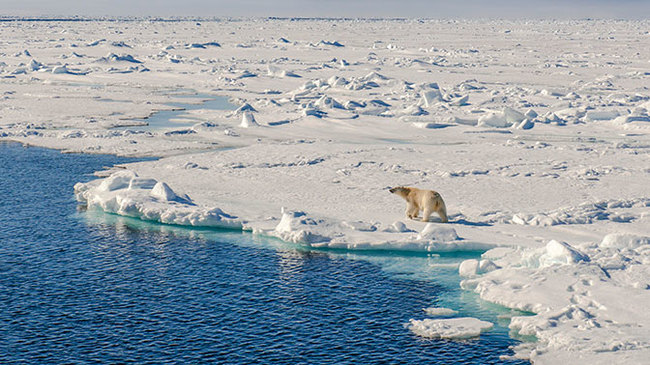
473 267
124 193
434 232
398 227
455 328
554 253
60 70
297 227
624 241
275 71
505 118
561 253
118 58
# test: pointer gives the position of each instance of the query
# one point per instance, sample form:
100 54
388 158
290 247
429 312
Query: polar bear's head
400 190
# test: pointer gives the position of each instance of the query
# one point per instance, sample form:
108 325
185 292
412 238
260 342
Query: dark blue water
81 287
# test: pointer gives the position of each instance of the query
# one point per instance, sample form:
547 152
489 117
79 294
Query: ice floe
453 329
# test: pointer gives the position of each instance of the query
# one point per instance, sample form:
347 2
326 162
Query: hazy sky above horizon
631 9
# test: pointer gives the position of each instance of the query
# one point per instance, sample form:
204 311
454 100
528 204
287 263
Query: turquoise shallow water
86 287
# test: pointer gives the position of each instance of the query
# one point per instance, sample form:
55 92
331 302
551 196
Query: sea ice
454 328
541 156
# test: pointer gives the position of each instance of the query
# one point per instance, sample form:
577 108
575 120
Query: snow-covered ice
536 134
453 328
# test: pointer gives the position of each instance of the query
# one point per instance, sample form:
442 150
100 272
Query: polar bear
418 199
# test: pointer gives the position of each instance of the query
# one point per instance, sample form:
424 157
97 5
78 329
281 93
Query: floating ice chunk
163 192
624 241
434 232
560 253
454 328
440 312
248 120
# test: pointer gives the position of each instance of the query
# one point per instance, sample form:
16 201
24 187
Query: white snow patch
436 232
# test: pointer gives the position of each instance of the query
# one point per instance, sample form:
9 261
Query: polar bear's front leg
412 210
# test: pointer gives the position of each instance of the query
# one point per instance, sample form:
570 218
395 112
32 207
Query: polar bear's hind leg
441 209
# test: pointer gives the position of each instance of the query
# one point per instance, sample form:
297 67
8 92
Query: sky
562 9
